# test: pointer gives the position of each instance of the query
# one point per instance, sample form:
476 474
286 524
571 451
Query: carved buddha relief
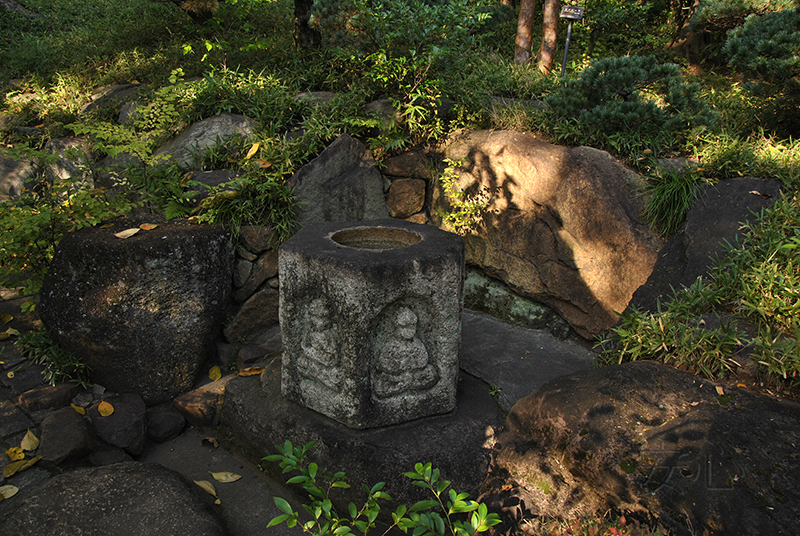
319 359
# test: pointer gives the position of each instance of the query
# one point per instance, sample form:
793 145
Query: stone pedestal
370 315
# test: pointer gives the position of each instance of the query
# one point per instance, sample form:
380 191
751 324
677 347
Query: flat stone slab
515 359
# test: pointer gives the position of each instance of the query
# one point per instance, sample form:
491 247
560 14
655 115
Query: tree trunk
522 46
547 51
304 35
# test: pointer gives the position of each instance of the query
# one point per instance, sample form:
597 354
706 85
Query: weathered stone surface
241 272
201 406
64 435
257 238
14 174
256 315
563 225
127 498
144 313
457 443
493 297
715 219
111 97
72 163
646 437
12 420
413 164
406 197
371 319
48 396
265 267
109 172
341 184
205 134
126 427
164 425
315 98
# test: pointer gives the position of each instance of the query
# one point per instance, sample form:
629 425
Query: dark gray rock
715 220
644 437
126 427
14 176
264 267
109 456
125 498
257 239
111 97
65 436
48 396
164 425
458 443
341 184
73 162
158 299
12 420
254 317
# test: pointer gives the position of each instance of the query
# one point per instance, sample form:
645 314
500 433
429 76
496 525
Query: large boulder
341 184
644 437
563 225
125 498
143 312
714 221
188 147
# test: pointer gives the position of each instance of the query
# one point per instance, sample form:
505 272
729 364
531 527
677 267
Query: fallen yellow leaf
29 442
10 374
15 454
252 151
207 486
6 318
215 373
127 233
4 335
79 409
15 467
741 385
720 390
211 441
148 226
226 477
263 164
251 371
7 491
187 177
105 409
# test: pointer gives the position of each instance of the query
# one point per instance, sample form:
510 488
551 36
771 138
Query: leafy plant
466 210
438 516
642 103
59 365
34 224
670 194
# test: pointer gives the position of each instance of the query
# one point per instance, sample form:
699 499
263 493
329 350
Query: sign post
572 13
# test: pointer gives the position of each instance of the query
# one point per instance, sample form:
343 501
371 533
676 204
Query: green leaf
342 530
423 505
283 505
278 520
297 479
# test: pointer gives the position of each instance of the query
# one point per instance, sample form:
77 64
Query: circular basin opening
375 238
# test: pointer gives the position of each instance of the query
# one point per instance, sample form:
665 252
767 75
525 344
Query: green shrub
670 194
59 365
767 48
33 225
436 517
629 105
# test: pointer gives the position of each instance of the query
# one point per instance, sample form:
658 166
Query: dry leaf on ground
6 318
29 442
251 371
15 467
207 486
127 233
211 441
105 408
79 409
148 226
215 373
15 454
226 477
8 491
252 151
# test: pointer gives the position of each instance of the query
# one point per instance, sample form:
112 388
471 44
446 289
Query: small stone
48 396
125 428
12 420
420 218
412 164
256 238
242 252
274 283
226 354
256 315
164 425
265 267
251 353
406 197
65 435
241 272
199 407
109 457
